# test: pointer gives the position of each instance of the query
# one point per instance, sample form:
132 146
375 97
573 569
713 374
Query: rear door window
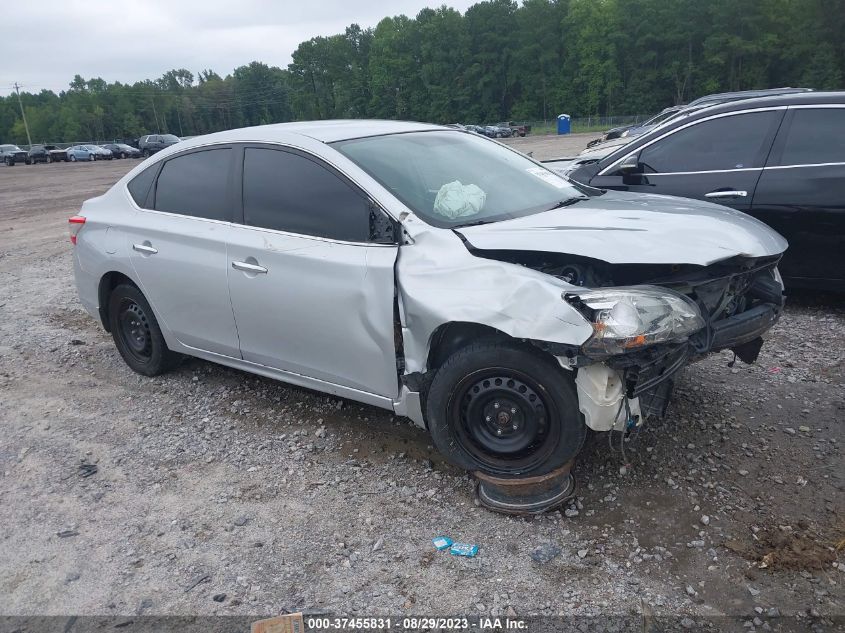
288 192
196 184
816 135
738 141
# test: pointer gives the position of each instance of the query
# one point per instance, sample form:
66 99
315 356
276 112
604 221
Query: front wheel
8 162
136 333
504 409
72 158
145 153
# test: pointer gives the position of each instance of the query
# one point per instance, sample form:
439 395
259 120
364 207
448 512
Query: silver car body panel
322 316
330 302
624 228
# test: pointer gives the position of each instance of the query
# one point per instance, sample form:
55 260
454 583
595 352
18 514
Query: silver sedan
428 271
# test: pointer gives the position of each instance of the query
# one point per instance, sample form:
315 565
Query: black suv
152 143
11 154
780 159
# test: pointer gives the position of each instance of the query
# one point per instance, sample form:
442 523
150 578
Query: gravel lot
217 492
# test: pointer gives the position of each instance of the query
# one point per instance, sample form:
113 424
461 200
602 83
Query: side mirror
630 165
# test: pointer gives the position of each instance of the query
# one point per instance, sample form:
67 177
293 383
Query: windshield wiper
567 202
476 223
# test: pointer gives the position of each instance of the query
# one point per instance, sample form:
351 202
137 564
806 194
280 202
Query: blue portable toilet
564 125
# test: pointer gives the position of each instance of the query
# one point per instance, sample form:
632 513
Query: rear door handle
145 248
249 268
726 194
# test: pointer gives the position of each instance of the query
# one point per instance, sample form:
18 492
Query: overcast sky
47 42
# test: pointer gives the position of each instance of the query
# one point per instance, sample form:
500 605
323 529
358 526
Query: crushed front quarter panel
440 282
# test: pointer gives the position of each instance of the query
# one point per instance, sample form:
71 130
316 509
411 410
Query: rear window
817 135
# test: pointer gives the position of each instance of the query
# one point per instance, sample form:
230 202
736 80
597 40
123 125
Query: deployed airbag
456 200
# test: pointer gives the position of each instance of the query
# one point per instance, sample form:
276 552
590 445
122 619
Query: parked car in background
103 153
45 154
779 159
11 155
122 150
494 131
82 152
152 143
516 130
493 302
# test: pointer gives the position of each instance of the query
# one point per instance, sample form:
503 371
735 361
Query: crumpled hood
624 228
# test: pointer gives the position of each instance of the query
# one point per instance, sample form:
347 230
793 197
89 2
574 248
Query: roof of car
325 131
801 98
721 97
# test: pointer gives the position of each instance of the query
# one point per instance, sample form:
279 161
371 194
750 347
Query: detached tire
504 409
136 333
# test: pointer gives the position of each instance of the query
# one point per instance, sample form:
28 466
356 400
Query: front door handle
726 194
249 268
145 248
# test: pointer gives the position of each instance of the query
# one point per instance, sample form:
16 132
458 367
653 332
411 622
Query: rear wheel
136 332
49 160
91 157
8 161
145 153
504 409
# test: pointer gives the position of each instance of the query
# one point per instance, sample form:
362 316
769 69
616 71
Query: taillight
75 225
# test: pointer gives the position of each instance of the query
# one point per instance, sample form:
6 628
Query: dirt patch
785 549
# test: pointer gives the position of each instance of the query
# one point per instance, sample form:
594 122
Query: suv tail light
75 225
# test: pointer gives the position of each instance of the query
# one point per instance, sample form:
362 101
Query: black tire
9 162
49 160
136 333
92 157
504 409
122 155
73 158
145 153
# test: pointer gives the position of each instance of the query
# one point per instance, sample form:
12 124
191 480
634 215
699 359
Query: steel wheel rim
504 419
134 330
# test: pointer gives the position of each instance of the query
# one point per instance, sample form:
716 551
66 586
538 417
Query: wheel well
109 282
450 337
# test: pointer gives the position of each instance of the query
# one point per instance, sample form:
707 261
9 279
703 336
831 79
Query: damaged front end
643 335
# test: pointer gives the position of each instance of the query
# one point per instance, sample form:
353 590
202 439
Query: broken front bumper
646 378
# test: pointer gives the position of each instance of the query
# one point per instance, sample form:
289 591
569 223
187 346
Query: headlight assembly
627 318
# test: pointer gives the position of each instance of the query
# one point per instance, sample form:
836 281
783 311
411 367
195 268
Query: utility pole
23 114
153 101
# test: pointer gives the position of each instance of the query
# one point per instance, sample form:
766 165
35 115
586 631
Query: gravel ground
218 492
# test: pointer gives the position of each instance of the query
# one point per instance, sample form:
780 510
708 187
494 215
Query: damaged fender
441 282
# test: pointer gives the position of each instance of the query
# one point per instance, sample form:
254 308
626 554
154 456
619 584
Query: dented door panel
322 309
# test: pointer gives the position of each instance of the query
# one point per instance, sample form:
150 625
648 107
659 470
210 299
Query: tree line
497 61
